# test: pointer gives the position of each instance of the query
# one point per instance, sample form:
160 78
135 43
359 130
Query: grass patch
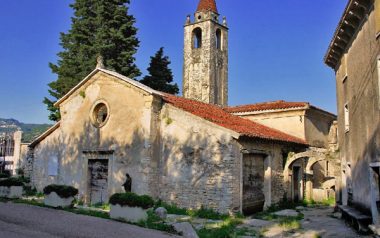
207 214
88 212
103 206
291 223
227 229
32 202
172 209
154 222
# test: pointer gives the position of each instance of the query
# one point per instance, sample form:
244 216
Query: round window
100 114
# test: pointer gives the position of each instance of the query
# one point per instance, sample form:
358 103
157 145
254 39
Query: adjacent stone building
354 54
310 174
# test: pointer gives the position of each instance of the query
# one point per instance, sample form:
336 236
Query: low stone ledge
131 214
53 200
11 192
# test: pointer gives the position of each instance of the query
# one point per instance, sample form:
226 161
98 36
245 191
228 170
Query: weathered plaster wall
291 122
200 163
360 90
51 146
127 133
317 128
310 125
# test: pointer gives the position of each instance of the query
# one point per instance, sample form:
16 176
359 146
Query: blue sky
276 48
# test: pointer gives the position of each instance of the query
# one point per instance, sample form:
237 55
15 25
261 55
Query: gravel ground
24 221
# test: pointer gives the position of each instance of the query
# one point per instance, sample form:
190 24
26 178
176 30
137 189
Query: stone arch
313 161
306 154
197 38
314 156
328 184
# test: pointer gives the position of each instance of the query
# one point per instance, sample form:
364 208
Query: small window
346 118
219 39
53 166
100 114
197 38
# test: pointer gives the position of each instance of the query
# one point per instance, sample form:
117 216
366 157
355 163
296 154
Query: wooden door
98 176
253 183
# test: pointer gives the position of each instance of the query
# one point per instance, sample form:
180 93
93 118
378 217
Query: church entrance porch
253 183
98 181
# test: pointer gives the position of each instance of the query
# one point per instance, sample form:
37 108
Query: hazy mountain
30 131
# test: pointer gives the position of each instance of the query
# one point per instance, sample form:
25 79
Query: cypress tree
99 27
160 75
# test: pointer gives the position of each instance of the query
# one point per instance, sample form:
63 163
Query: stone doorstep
375 229
186 228
286 213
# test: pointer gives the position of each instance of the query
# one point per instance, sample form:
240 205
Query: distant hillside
30 131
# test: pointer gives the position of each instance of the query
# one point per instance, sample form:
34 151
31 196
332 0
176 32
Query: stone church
191 151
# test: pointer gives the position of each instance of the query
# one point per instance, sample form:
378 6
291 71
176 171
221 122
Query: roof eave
44 135
109 72
352 18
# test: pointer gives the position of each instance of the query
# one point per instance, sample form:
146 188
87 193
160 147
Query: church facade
190 151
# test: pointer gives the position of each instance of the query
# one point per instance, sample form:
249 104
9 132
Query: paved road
24 221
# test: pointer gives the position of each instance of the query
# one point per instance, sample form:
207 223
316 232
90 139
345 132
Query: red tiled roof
222 118
207 5
276 105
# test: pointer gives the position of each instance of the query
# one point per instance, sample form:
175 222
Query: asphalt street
25 221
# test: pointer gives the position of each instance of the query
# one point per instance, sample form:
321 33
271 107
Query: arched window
218 39
197 38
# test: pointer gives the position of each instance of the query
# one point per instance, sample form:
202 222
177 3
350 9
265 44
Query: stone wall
127 140
205 70
200 163
357 82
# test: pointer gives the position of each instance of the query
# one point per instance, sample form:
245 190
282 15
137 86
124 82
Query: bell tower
205 69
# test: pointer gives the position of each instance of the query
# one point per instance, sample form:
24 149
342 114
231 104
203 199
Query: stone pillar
344 187
309 186
268 181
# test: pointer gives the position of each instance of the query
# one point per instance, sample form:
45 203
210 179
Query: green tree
99 27
160 75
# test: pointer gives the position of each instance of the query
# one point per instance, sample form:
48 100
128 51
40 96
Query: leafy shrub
9 182
208 214
3 175
132 200
61 190
171 208
154 222
30 191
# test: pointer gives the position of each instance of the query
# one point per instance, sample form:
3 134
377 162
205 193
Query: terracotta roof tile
222 118
207 5
276 105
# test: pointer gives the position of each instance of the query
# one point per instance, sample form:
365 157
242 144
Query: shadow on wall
361 178
199 170
196 170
